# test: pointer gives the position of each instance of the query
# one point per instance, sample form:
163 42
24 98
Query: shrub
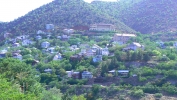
142 79
158 95
137 93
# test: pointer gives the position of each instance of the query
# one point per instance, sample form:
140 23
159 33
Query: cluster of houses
85 50
79 75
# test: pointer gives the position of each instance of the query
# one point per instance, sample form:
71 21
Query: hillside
145 16
65 13
151 16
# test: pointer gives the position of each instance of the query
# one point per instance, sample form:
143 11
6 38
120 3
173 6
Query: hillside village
80 50
87 56
73 50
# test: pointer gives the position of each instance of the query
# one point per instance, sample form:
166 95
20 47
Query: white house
69 73
45 44
122 38
134 46
57 57
86 75
68 31
38 37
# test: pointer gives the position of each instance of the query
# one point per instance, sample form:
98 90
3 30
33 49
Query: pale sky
12 9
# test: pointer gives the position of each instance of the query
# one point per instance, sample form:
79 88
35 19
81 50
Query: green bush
137 93
158 95
142 79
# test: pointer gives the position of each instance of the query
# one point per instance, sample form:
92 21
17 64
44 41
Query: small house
175 44
134 46
86 75
16 45
97 58
49 27
102 27
38 37
72 74
26 42
51 49
68 31
122 38
45 44
74 48
48 70
65 37
40 32
123 73
105 51
3 53
57 57
17 56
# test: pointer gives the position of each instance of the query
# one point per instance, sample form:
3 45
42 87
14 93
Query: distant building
72 74
134 46
51 50
121 73
175 44
57 57
48 70
17 56
97 58
86 75
38 37
7 35
68 31
102 27
122 38
16 45
27 42
65 37
40 32
45 44
74 48
49 27
81 28
105 51
3 53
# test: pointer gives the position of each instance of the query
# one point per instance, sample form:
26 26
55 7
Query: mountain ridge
65 13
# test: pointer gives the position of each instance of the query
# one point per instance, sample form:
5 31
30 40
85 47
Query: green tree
52 94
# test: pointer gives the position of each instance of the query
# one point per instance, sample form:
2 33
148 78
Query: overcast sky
12 9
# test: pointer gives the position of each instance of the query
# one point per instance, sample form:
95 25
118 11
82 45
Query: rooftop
131 35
